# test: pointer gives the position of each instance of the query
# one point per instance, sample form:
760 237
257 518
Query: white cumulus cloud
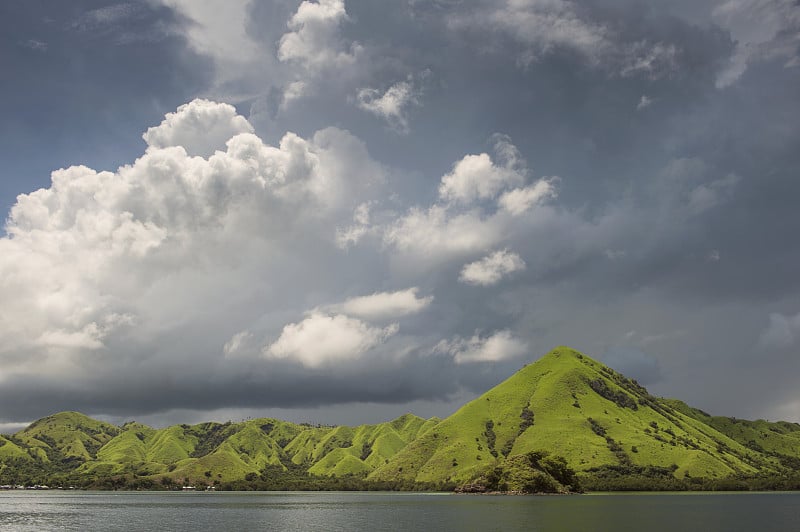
201 127
480 203
520 200
435 233
497 347
321 339
148 247
478 177
381 305
314 41
490 269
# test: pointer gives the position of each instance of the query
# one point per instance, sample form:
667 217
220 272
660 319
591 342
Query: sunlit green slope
352 450
572 406
208 452
66 435
780 439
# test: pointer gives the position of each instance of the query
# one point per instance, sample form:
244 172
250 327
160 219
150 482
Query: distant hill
564 414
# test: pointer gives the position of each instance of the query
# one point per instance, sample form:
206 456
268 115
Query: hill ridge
604 425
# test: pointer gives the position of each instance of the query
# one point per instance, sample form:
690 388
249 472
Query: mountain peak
565 353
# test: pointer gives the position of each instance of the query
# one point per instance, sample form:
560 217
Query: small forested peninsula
563 424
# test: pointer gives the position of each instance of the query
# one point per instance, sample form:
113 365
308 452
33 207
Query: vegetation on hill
560 423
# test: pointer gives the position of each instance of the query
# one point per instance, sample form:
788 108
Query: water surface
57 510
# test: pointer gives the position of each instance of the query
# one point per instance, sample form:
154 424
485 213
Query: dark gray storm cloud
464 189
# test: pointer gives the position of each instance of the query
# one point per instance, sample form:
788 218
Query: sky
339 211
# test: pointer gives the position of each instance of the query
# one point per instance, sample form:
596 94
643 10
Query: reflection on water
55 510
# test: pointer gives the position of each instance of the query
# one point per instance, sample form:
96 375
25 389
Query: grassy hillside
573 406
67 435
780 440
562 413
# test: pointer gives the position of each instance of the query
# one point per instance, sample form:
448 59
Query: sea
333 511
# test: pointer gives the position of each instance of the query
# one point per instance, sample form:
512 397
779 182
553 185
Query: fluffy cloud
313 40
350 235
293 91
478 201
145 248
435 233
201 127
391 105
490 269
382 305
520 200
497 347
477 177
153 268
157 265
321 340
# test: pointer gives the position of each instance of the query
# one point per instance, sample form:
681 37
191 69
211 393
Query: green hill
570 405
67 436
565 412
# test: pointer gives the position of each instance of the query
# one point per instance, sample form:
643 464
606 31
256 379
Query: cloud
478 201
217 29
543 28
520 200
477 177
210 254
116 22
238 344
706 196
644 102
143 250
350 235
321 340
782 331
390 105
383 305
492 268
313 41
763 30
293 91
689 184
654 61
436 234
109 14
170 268
497 347
200 127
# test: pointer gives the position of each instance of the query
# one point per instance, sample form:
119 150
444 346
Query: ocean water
59 510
